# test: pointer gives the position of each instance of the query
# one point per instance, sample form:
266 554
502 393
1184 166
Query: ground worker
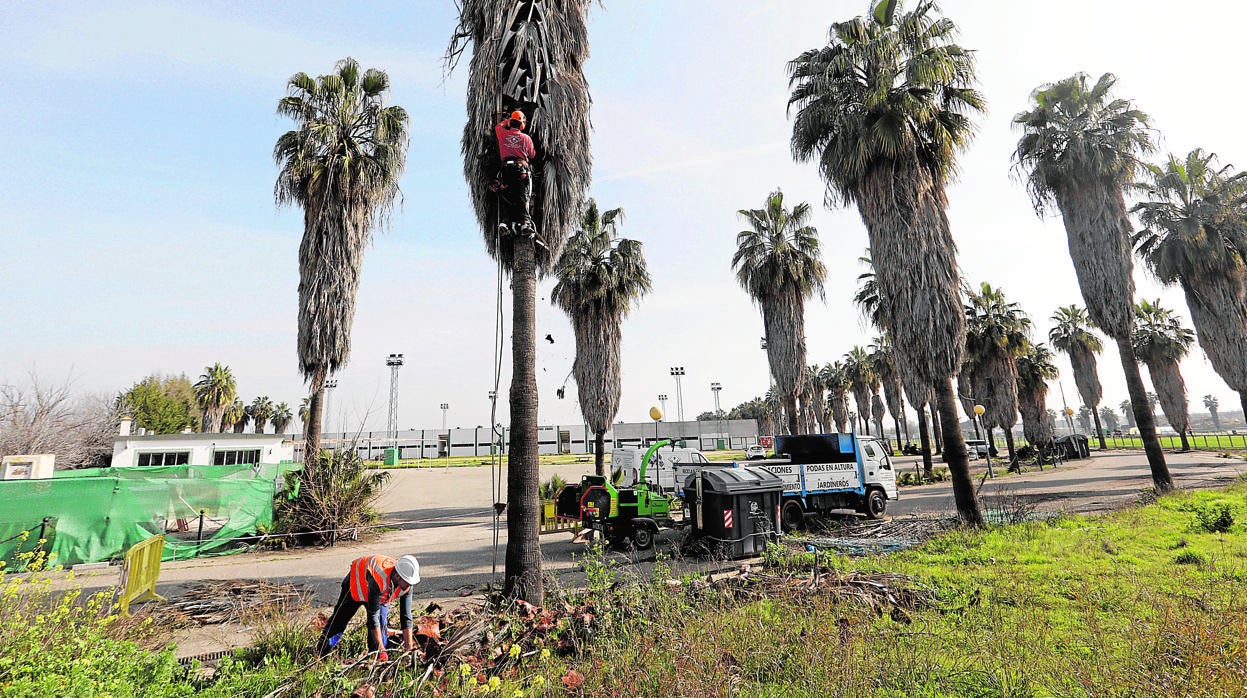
515 177
374 581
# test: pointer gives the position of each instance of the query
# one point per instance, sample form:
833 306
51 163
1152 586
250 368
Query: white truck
824 472
667 471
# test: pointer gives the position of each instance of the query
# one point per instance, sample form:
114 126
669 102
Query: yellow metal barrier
551 523
139 573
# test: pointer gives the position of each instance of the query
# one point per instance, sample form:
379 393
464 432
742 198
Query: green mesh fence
96 514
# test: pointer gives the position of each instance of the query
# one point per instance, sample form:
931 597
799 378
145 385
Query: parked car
976 448
755 452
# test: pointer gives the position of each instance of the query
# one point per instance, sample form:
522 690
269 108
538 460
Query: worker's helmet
408 569
518 115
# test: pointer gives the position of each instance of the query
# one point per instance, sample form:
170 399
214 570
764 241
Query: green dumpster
390 456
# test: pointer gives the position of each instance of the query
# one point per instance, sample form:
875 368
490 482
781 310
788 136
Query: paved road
453 533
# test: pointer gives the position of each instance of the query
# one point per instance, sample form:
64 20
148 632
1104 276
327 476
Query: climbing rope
495 459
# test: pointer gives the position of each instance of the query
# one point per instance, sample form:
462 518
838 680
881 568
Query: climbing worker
373 582
515 177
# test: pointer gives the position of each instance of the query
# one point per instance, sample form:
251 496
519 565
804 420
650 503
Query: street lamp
978 415
715 388
678 372
395 362
329 386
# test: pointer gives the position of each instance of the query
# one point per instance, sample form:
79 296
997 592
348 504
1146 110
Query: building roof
201 436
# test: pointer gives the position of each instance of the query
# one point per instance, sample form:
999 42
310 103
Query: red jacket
513 143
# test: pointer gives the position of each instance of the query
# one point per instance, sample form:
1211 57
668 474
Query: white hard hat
408 569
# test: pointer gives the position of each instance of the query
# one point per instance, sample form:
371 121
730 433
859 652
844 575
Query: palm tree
1034 369
777 261
893 393
599 277
341 165
1072 334
282 416
1127 410
1193 235
860 371
884 109
241 415
261 410
529 55
1084 417
1109 417
305 411
835 378
215 390
816 392
234 417
1079 151
867 299
1210 402
997 333
1160 341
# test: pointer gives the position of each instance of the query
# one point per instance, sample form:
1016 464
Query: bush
335 497
1188 557
54 643
1215 518
550 488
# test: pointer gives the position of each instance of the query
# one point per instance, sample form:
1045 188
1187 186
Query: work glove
383 656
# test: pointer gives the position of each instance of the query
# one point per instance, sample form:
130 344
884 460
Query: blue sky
140 232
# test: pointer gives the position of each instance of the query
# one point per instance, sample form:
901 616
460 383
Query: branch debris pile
232 600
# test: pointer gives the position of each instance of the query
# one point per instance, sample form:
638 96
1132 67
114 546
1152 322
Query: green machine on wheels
618 513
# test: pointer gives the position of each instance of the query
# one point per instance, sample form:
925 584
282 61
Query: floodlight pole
395 362
678 372
327 426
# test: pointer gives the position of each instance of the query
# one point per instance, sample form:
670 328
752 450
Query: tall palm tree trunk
897 423
311 439
955 455
1013 453
523 559
1099 430
1143 417
928 467
937 431
790 406
599 457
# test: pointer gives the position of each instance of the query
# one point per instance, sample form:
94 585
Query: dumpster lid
735 480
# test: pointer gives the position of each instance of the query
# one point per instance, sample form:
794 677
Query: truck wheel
876 504
642 538
792 516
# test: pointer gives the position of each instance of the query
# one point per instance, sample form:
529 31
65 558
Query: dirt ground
443 516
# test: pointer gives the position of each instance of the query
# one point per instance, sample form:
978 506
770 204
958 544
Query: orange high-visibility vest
379 566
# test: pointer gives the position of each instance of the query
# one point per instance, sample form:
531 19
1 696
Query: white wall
274 448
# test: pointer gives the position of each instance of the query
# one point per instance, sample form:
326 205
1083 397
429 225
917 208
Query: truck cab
827 472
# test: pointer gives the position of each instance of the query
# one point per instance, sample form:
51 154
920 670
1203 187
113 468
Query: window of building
245 456
165 458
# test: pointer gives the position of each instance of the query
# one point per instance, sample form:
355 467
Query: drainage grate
206 657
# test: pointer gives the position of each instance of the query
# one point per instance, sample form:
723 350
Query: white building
710 435
131 450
